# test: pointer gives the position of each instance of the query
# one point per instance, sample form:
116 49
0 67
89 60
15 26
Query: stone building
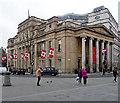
2 53
72 36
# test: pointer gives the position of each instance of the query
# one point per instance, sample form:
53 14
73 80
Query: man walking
38 74
115 74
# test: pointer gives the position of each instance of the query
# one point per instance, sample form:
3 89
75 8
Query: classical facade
77 41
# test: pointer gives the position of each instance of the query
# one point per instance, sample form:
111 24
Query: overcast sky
13 12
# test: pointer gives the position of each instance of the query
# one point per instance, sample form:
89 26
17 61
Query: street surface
62 88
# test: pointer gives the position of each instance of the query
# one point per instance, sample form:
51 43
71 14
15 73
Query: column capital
91 38
83 36
103 41
108 42
98 39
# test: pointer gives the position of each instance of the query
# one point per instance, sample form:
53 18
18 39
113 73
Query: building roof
73 16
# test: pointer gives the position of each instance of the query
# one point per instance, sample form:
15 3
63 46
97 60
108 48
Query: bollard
6 81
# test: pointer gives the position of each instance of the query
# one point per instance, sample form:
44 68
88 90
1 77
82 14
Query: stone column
102 47
108 55
14 59
8 59
47 53
21 58
35 57
97 55
91 54
53 46
83 52
25 64
112 47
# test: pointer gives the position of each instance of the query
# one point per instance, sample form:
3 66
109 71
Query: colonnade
104 44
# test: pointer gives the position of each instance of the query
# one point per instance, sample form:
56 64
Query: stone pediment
101 29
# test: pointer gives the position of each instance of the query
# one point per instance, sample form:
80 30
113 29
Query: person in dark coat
115 74
80 75
104 71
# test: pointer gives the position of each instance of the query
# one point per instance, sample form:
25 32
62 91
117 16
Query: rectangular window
43 65
50 44
27 35
20 37
23 35
33 50
59 65
43 46
59 45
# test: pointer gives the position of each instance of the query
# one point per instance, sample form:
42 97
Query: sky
13 12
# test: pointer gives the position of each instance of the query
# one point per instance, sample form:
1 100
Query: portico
93 61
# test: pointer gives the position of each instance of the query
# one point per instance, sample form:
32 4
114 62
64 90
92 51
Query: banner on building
43 54
103 51
94 54
3 58
11 57
51 53
15 56
26 54
22 56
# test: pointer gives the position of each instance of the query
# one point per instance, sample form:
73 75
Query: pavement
63 87
71 75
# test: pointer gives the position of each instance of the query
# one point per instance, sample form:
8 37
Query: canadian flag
103 51
43 54
15 56
51 53
22 55
118 54
3 58
26 54
11 57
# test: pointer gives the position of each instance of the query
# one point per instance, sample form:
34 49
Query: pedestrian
80 75
103 71
115 74
84 74
38 74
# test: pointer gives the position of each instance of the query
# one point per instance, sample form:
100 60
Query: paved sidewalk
70 75
61 89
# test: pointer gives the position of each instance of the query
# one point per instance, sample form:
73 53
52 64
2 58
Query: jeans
38 80
79 80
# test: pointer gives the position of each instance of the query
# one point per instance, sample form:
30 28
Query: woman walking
84 74
38 74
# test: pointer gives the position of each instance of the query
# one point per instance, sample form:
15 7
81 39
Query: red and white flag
11 57
51 53
43 54
22 55
3 58
103 51
15 56
118 54
26 54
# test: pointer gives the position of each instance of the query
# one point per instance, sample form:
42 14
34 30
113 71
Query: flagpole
28 14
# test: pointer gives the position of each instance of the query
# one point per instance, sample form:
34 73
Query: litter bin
6 81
